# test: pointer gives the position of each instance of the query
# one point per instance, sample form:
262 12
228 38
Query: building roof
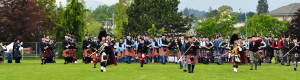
288 10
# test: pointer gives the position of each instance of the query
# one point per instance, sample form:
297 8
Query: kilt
178 54
129 52
51 54
162 52
223 54
294 57
43 54
155 52
140 56
188 58
66 54
217 54
201 52
247 53
149 53
94 57
253 57
262 55
86 53
119 55
173 52
73 53
277 53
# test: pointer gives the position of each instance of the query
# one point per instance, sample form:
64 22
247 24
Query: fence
32 50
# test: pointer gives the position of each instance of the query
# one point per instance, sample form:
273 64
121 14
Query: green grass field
31 69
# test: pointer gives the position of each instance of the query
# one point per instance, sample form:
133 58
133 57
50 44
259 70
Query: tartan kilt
119 55
178 54
140 56
129 52
43 54
94 57
162 52
154 52
65 54
149 53
51 54
262 55
216 53
184 59
73 54
247 53
189 60
86 53
223 54
201 52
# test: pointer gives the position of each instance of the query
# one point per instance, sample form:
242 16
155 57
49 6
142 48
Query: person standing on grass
43 47
16 51
235 49
191 55
66 45
142 52
129 49
294 52
254 46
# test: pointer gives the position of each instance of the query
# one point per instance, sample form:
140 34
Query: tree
121 18
221 24
20 19
93 27
211 14
262 7
74 18
152 31
264 24
294 27
102 12
163 13
186 12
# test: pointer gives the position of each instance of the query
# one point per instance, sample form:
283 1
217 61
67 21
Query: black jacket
192 50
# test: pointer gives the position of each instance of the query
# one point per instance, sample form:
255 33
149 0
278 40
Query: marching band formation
186 51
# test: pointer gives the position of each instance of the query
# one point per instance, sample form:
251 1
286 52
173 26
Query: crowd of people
182 50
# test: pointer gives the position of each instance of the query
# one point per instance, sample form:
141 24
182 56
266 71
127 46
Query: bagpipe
100 50
291 50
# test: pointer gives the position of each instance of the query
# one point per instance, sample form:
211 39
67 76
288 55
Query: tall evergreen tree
262 6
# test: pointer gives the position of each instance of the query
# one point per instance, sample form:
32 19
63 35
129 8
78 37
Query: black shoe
41 63
251 69
287 65
190 71
65 63
94 66
295 69
282 64
184 70
101 70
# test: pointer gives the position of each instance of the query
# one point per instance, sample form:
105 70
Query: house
285 12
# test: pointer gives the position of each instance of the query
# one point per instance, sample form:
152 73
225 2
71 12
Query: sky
244 5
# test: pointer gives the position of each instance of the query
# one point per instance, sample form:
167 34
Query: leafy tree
121 18
102 12
262 7
264 24
74 18
222 24
20 19
163 13
294 27
152 31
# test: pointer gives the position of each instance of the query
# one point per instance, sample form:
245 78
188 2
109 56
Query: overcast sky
245 5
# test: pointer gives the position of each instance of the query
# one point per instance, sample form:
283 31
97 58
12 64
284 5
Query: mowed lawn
31 69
